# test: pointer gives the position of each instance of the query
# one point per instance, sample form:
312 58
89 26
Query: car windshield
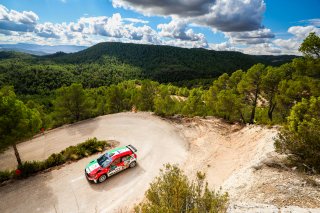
104 160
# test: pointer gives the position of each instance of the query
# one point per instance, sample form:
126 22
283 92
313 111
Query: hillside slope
167 63
111 63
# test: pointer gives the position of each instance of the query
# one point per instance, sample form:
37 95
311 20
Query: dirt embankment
222 150
242 160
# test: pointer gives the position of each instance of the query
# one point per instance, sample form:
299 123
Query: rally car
111 163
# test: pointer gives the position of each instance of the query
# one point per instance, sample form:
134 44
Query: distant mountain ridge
168 63
35 49
112 62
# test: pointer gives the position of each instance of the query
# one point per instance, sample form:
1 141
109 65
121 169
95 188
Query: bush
301 137
173 192
71 153
6 175
84 149
54 160
68 152
31 167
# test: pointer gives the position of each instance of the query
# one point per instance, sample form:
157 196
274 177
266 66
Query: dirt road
66 190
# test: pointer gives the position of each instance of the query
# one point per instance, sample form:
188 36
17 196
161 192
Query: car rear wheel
102 178
132 164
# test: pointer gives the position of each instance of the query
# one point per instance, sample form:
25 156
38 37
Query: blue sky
250 26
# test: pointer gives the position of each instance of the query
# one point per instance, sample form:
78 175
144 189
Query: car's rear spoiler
132 148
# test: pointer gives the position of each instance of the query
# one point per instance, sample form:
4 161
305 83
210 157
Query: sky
269 27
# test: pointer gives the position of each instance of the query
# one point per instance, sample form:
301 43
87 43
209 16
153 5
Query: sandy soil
222 150
282 188
227 154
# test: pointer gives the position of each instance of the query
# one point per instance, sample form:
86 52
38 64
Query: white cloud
251 37
291 45
135 20
314 22
17 21
263 49
185 43
303 31
263 42
224 46
287 44
114 26
49 30
177 29
167 7
224 15
7 32
88 30
234 16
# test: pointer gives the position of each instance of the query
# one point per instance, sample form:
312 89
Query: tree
210 97
238 98
46 121
71 103
173 192
301 136
229 105
194 105
250 85
270 83
147 94
17 121
115 99
289 92
235 79
310 46
98 100
164 103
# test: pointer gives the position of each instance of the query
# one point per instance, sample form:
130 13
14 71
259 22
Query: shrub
74 157
6 175
68 152
173 192
30 167
54 160
71 153
301 137
84 149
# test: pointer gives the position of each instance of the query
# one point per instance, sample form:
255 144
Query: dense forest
52 94
170 64
111 63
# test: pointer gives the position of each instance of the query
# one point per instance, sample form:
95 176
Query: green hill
169 64
110 63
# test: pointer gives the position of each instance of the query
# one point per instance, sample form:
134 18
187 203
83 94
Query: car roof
119 151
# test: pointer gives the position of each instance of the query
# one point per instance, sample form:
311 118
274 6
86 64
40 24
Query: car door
126 161
115 167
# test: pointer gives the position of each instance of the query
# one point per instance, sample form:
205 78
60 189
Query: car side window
115 162
125 158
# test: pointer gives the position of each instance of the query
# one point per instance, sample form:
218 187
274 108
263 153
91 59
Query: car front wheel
132 164
102 178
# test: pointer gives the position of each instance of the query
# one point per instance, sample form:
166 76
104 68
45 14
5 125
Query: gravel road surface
67 190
